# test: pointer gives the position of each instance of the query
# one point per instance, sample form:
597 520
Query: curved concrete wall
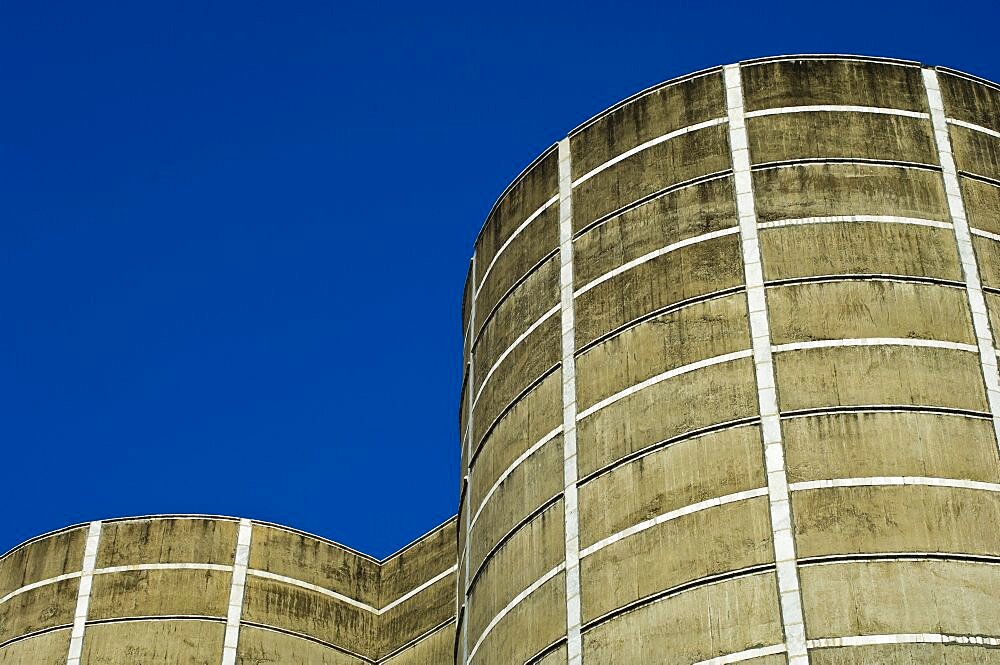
209 590
731 390
731 395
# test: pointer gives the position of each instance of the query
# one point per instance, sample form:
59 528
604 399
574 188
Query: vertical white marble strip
777 480
970 268
470 405
574 643
83 595
235 611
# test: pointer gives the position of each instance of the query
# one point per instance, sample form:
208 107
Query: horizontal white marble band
677 371
902 638
974 127
985 234
312 587
740 656
839 219
516 463
534 586
655 254
875 341
506 243
672 515
520 338
836 108
842 161
895 481
39 584
648 144
413 592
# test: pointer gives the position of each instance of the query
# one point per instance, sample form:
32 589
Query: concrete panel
970 101
310 613
988 255
526 304
704 397
852 520
685 473
689 272
524 253
307 558
529 486
695 625
259 646
416 616
976 152
154 643
869 308
535 415
682 158
864 375
673 339
862 445
993 309
438 648
890 597
44 649
536 186
420 561
841 135
666 109
982 204
853 82
535 623
188 540
679 214
44 607
529 360
42 559
709 542
906 654
820 190
533 550
143 593
831 249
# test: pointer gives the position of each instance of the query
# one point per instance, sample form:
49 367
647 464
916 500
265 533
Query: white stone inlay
838 219
970 268
875 341
672 515
974 127
774 455
574 621
644 146
903 638
836 108
984 234
890 481
83 595
236 590
655 254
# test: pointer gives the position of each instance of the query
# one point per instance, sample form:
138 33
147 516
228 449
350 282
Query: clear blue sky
234 234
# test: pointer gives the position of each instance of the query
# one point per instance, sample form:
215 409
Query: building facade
731 396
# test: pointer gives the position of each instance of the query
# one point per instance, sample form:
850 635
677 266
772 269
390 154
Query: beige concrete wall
888 436
161 588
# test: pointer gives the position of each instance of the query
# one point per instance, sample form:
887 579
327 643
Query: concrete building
731 396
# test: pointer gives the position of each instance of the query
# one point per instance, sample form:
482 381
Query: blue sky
234 234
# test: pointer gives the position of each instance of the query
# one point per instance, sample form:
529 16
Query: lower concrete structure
731 395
